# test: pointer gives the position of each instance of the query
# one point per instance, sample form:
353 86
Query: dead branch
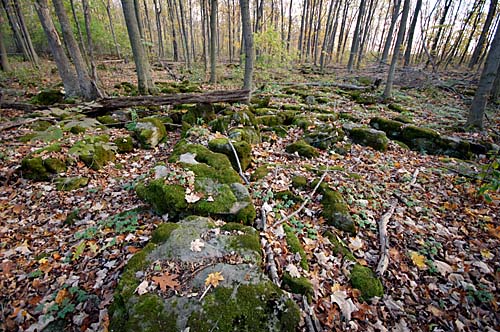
414 177
273 269
383 238
303 204
22 122
240 170
312 321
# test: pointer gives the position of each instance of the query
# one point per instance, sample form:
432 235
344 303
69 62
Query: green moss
164 198
224 199
288 195
403 119
348 116
411 132
243 150
55 165
259 173
26 138
294 245
246 215
56 147
149 315
150 132
69 184
336 211
299 182
397 108
270 120
40 125
248 241
78 130
303 149
221 175
292 107
48 97
338 247
127 88
299 285
257 308
34 169
94 151
260 101
106 119
162 233
370 137
124 144
365 280
391 127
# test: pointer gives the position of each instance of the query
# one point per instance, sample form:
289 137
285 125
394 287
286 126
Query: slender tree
411 33
4 61
484 34
485 85
213 40
66 71
249 48
107 4
397 50
356 36
143 69
390 33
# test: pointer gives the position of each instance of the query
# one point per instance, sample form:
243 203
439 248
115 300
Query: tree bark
145 81
185 34
388 40
112 28
249 48
213 41
397 50
66 71
88 87
78 28
355 38
411 33
4 61
484 34
175 46
159 30
485 85
435 41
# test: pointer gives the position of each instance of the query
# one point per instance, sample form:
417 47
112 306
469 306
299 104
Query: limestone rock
303 149
370 137
336 211
94 151
243 150
150 132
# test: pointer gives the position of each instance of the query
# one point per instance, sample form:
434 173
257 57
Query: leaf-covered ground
61 253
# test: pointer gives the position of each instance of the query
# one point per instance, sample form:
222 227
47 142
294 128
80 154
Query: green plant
480 294
490 177
133 120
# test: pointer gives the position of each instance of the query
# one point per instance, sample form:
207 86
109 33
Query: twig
303 204
312 321
263 219
205 292
273 269
384 243
414 177
240 170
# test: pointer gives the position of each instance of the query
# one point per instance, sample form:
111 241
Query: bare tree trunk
289 37
112 27
148 21
66 71
4 61
88 87
388 40
302 28
411 33
355 38
366 31
495 93
397 50
204 33
144 79
90 43
342 30
327 36
174 34
190 25
484 88
249 48
229 32
137 12
473 32
78 28
484 33
159 30
435 41
213 41
316 32
185 33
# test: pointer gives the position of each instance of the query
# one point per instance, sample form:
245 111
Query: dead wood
383 262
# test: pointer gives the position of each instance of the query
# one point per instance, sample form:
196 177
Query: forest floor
444 239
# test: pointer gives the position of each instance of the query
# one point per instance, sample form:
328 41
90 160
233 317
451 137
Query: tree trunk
435 41
175 46
327 36
249 48
342 30
137 13
90 43
397 50
495 93
112 28
204 33
316 32
145 82
289 37
88 87
4 61
366 31
472 33
411 33
355 38
185 34
485 85
159 30
66 71
388 40
78 27
484 33
213 41
190 25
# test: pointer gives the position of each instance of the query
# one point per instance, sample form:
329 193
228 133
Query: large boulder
150 132
336 211
392 128
324 137
214 188
242 148
369 137
303 149
94 151
245 300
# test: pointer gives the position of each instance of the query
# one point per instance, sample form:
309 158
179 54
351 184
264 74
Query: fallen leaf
486 254
196 245
346 305
294 272
213 279
418 260
443 267
142 288
192 198
17 208
166 280
435 310
61 295
355 244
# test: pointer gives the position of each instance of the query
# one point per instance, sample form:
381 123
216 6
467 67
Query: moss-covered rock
40 125
271 120
392 128
453 147
363 98
245 300
71 183
324 137
299 285
55 165
243 150
124 144
370 137
294 245
303 149
364 279
299 182
349 116
34 169
336 211
397 108
259 173
260 101
94 151
338 247
199 114
50 134
413 132
150 132
48 97
106 119
127 88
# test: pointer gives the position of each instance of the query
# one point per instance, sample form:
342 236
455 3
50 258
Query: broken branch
384 243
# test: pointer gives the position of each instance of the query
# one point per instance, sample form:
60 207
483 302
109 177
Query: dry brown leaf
61 295
166 280
213 279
